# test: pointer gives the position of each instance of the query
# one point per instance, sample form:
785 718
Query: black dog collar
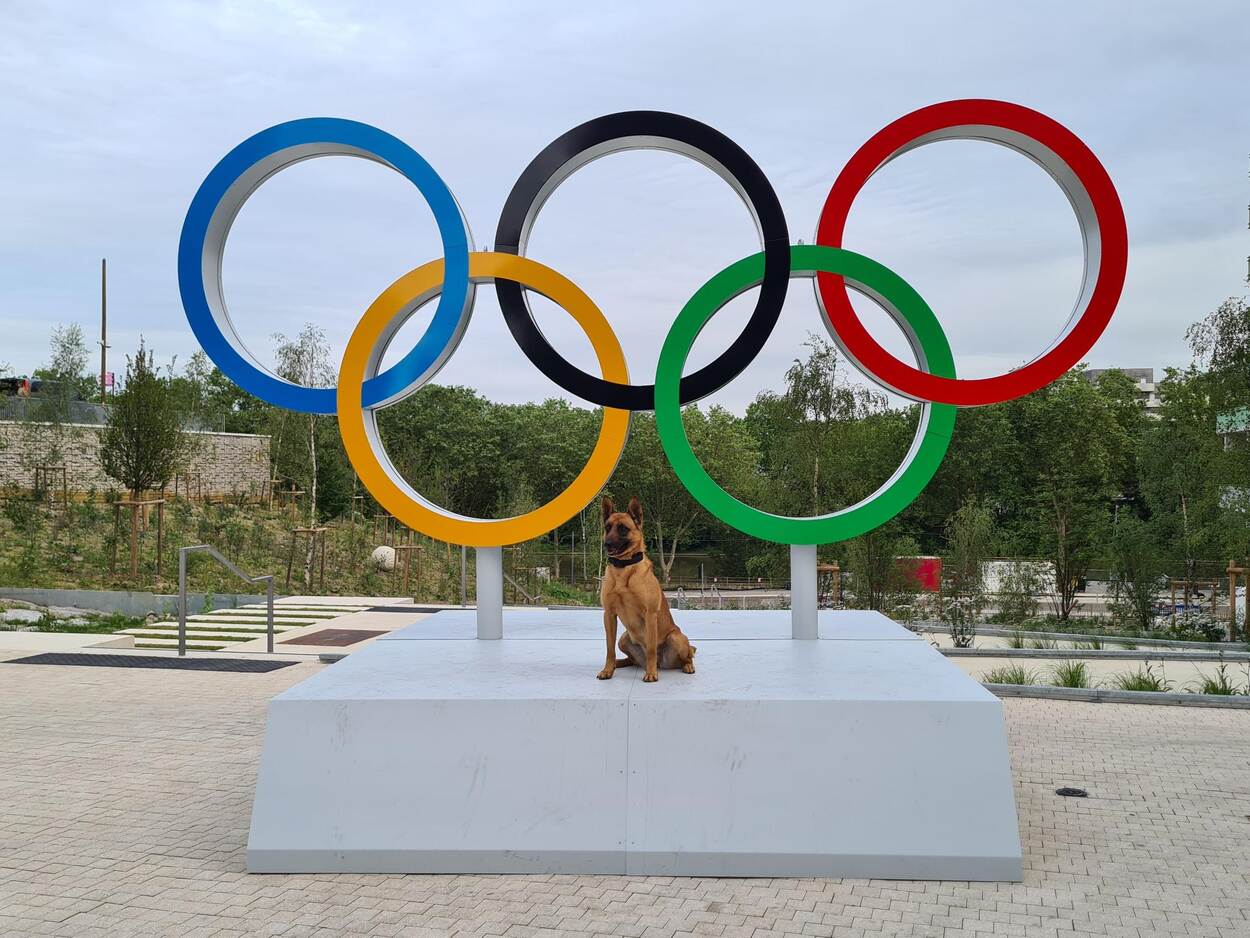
619 562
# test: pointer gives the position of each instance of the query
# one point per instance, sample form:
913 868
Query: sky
114 113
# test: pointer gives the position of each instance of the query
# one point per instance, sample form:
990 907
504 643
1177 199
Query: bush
1217 683
1143 678
1194 627
1017 593
1071 674
1012 674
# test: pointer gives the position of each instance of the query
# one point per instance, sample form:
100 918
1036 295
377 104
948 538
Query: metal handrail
213 552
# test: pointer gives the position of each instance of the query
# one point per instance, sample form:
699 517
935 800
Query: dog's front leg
652 639
609 631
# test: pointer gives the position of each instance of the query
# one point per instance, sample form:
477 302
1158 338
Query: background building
1143 378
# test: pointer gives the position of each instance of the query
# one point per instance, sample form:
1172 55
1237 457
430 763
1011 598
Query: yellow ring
358 426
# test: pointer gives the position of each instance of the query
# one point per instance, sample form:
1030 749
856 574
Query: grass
1071 674
221 620
1015 640
1217 683
1043 643
557 593
1011 674
1143 679
1093 644
206 627
96 625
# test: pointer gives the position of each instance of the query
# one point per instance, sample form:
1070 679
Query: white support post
803 622
490 592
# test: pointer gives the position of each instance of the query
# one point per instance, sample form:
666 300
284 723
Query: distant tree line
1076 474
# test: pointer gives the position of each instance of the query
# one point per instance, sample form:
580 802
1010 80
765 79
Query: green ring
937 421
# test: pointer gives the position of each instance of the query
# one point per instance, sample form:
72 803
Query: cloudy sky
113 114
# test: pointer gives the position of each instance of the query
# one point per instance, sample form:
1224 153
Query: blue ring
447 324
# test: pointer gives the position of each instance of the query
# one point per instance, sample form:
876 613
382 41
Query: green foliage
1071 674
970 541
1138 569
1017 593
143 444
1218 683
875 579
1221 344
1071 474
1038 478
64 376
1144 678
1011 674
1193 627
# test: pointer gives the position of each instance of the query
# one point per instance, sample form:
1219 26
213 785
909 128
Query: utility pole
104 329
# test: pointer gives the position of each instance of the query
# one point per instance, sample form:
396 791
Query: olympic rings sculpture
364 387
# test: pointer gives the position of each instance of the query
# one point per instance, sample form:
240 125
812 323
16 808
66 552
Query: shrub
1043 643
1195 627
1015 640
1017 592
1011 674
1143 678
1217 683
1071 674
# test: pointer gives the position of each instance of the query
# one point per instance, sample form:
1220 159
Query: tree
49 417
725 448
872 565
1184 470
304 360
1069 440
1138 568
143 444
970 542
1221 346
65 374
824 442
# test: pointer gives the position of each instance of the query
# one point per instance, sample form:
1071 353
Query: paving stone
125 799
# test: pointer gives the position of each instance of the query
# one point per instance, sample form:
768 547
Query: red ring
1113 234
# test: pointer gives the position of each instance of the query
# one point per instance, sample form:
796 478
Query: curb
1112 654
937 627
1107 695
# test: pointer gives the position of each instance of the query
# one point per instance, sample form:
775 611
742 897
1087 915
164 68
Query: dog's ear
608 507
635 510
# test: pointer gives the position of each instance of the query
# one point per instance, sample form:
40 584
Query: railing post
182 601
269 613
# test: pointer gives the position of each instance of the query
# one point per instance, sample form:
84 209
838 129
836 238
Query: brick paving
125 797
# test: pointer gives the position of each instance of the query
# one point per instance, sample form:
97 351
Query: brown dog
631 593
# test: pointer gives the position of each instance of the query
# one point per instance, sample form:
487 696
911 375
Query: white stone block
863 757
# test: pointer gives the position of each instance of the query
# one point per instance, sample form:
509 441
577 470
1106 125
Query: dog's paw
650 676
688 667
606 674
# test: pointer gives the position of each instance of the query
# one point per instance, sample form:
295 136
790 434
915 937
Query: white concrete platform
856 757
699 624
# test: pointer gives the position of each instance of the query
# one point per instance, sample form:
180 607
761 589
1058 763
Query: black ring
655 130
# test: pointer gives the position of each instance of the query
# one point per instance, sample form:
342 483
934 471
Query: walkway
126 798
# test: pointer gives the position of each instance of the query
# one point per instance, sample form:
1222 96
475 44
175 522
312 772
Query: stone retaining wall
222 463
